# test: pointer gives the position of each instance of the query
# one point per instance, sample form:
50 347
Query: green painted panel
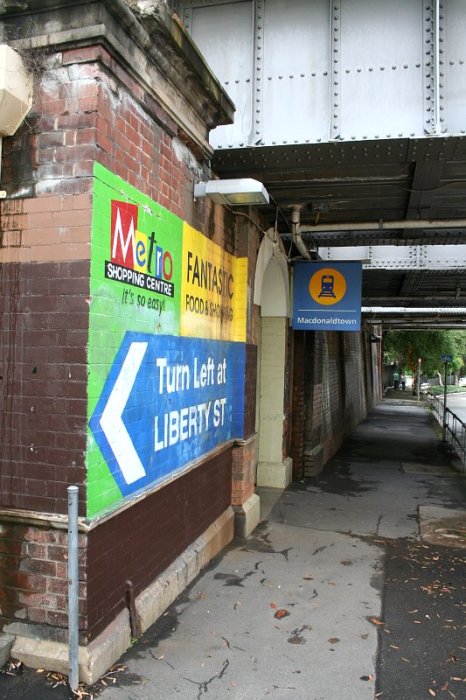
136 248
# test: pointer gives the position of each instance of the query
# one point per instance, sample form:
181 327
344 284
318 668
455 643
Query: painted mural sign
166 344
327 296
212 290
166 402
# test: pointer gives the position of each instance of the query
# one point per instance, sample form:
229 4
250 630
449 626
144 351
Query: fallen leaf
281 613
376 620
273 605
432 692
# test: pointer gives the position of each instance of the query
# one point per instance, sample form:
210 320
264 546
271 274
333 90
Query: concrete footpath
350 588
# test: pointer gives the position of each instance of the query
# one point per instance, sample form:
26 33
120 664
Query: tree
404 348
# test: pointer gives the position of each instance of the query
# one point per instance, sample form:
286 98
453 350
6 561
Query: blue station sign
166 402
327 296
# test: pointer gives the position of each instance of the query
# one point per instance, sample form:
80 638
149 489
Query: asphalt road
457 404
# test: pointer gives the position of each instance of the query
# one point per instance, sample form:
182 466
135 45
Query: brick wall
333 390
43 399
87 108
34 581
152 533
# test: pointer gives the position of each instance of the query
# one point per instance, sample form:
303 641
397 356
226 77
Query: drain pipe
296 231
131 604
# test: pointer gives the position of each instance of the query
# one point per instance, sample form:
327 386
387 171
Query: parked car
462 381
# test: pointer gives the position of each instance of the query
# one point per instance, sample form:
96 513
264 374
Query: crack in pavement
203 686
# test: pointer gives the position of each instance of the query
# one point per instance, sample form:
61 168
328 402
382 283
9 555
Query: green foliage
440 390
403 348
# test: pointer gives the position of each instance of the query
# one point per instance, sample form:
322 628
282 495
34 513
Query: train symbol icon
327 284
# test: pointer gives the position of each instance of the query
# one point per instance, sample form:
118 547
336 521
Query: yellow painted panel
213 290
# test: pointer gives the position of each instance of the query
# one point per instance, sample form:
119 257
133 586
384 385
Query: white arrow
111 421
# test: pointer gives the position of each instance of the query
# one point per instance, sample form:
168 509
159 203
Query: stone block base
277 475
247 516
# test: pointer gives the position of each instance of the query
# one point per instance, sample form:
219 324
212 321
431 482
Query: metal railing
454 429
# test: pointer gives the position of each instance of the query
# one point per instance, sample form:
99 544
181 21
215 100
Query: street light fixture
238 192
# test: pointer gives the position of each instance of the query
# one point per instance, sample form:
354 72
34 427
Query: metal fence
454 429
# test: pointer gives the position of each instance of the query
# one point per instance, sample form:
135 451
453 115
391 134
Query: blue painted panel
166 402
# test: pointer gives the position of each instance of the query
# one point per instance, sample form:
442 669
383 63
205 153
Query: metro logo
134 249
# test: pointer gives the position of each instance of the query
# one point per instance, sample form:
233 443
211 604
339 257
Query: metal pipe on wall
296 231
384 225
73 582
